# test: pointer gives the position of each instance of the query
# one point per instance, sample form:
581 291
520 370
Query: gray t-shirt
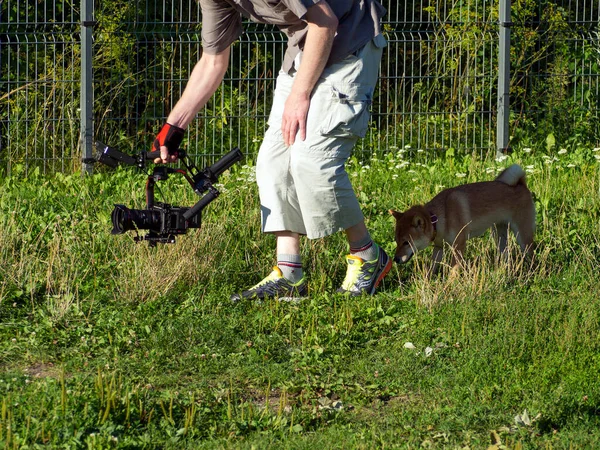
222 23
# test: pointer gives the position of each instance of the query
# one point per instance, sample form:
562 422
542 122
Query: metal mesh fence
438 85
39 84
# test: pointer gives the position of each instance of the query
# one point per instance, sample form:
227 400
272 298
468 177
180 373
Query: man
320 109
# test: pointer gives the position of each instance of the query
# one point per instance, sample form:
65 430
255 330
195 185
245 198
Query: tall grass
107 343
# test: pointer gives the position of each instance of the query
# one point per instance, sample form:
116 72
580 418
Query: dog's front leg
438 255
458 248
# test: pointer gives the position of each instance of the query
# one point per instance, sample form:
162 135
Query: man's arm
322 26
204 81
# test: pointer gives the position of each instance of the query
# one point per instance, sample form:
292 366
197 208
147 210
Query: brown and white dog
463 212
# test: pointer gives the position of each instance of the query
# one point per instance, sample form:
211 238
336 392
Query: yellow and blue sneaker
274 286
363 277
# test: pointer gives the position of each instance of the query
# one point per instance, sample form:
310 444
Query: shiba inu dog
460 213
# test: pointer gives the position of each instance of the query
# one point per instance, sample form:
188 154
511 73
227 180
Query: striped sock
290 266
365 249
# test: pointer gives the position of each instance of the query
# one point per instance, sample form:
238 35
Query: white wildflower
460 175
526 150
562 151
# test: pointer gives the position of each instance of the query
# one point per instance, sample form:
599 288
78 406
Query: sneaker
274 286
364 276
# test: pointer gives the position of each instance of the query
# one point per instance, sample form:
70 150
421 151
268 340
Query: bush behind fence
438 87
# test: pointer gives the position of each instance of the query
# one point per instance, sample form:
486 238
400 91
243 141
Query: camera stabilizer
162 220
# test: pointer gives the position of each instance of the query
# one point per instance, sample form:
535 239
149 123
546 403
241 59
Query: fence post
502 132
87 90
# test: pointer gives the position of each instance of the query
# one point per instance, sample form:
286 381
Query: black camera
162 220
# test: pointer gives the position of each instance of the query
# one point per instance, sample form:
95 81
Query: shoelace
272 277
352 275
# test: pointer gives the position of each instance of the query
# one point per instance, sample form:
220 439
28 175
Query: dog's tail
512 175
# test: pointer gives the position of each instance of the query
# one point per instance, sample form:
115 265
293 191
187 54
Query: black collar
434 221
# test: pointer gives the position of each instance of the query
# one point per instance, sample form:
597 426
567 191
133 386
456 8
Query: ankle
290 266
367 251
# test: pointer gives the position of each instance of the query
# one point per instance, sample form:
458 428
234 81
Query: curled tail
512 176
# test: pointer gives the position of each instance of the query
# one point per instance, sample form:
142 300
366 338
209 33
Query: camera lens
125 219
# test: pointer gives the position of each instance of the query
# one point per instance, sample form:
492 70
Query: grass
105 343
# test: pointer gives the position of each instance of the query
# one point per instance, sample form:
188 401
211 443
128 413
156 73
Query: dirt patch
382 405
274 401
43 370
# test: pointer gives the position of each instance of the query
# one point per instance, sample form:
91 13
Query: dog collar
434 221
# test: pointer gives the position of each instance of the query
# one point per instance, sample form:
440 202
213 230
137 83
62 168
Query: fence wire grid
437 91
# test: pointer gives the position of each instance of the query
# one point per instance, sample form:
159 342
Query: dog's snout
403 259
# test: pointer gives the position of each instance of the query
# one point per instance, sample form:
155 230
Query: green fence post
87 89
502 131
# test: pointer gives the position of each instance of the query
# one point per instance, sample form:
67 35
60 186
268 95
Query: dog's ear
418 222
396 214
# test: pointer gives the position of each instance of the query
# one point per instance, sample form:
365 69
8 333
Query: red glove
170 136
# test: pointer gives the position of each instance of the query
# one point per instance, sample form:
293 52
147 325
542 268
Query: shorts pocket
347 114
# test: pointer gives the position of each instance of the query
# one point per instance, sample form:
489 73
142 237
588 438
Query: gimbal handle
156 154
203 181
201 204
113 157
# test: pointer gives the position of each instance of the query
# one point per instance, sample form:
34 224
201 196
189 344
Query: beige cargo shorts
305 188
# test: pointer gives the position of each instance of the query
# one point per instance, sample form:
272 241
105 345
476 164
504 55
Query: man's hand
168 142
294 117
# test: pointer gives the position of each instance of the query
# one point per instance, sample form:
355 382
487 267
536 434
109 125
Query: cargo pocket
348 113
